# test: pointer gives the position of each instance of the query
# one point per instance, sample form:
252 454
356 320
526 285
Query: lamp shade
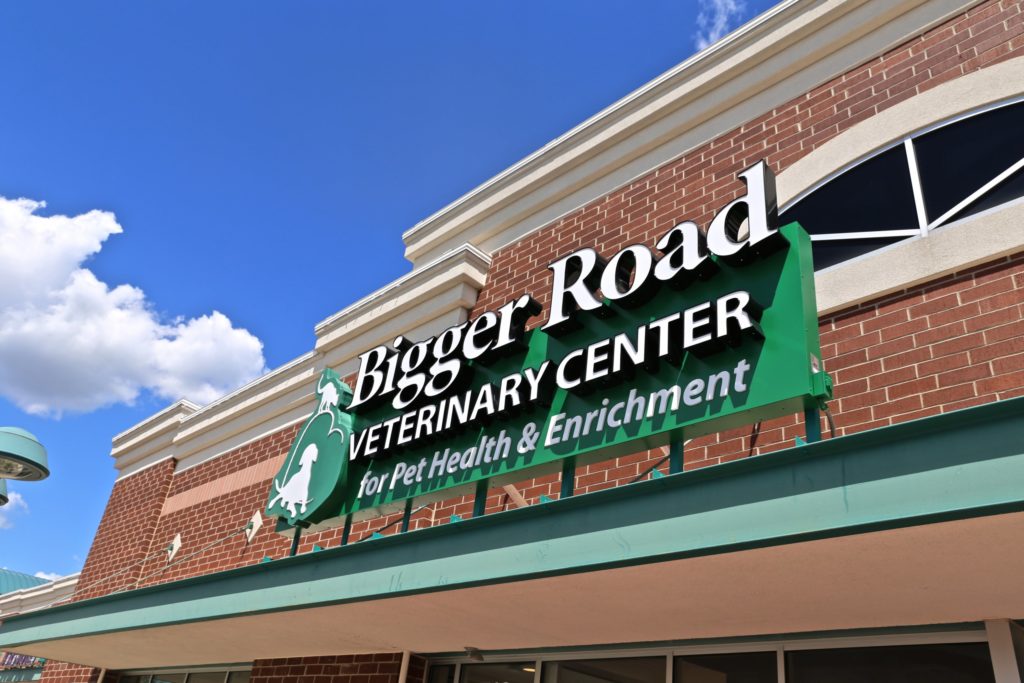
21 455
3 493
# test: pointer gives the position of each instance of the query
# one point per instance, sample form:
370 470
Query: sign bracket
347 530
480 499
406 515
675 455
812 420
568 477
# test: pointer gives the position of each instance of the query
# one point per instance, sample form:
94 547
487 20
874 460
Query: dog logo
309 486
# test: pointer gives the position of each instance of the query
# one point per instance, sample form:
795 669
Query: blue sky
212 158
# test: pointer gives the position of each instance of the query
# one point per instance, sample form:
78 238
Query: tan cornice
779 55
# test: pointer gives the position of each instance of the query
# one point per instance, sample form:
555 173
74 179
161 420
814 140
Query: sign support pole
480 501
812 420
406 515
568 477
347 530
675 456
295 541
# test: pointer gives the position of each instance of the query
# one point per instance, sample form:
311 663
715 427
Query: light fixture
21 455
3 493
530 669
474 654
253 527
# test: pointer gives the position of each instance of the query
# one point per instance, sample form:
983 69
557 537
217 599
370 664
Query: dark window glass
169 678
622 670
240 676
208 677
746 667
955 160
134 679
517 672
1006 191
959 663
441 673
832 252
874 195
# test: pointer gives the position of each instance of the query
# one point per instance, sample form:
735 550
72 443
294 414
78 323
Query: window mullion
915 184
980 192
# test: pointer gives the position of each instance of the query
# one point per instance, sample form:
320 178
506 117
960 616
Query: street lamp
22 457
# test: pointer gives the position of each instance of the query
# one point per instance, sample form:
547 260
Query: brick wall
126 531
59 672
941 346
378 668
861 352
697 184
211 530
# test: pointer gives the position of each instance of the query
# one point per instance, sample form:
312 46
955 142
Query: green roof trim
959 465
15 581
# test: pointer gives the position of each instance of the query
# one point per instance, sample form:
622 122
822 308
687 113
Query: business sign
706 332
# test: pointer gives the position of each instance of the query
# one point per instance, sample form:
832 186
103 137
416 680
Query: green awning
886 519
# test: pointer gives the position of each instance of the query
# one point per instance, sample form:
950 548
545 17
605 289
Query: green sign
310 485
636 352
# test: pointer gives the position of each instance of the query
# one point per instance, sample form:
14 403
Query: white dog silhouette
328 398
296 491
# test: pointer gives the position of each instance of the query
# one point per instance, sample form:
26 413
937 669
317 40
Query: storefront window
959 663
187 677
169 678
624 670
207 677
745 667
504 672
441 673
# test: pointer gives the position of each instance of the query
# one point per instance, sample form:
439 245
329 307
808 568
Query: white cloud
71 343
49 576
15 505
715 19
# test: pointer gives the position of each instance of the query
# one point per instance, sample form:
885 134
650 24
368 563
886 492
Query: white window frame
907 141
780 646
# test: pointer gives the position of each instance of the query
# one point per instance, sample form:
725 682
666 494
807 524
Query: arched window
941 174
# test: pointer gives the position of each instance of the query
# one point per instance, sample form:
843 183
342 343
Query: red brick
1005 332
937 334
948 395
958 344
944 363
967 374
891 408
1005 382
893 377
916 386
911 357
1008 364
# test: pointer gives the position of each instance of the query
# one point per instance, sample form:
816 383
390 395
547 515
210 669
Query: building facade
889 550
21 593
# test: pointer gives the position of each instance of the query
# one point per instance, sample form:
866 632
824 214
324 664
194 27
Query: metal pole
568 477
406 515
480 501
812 420
347 530
295 541
675 455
